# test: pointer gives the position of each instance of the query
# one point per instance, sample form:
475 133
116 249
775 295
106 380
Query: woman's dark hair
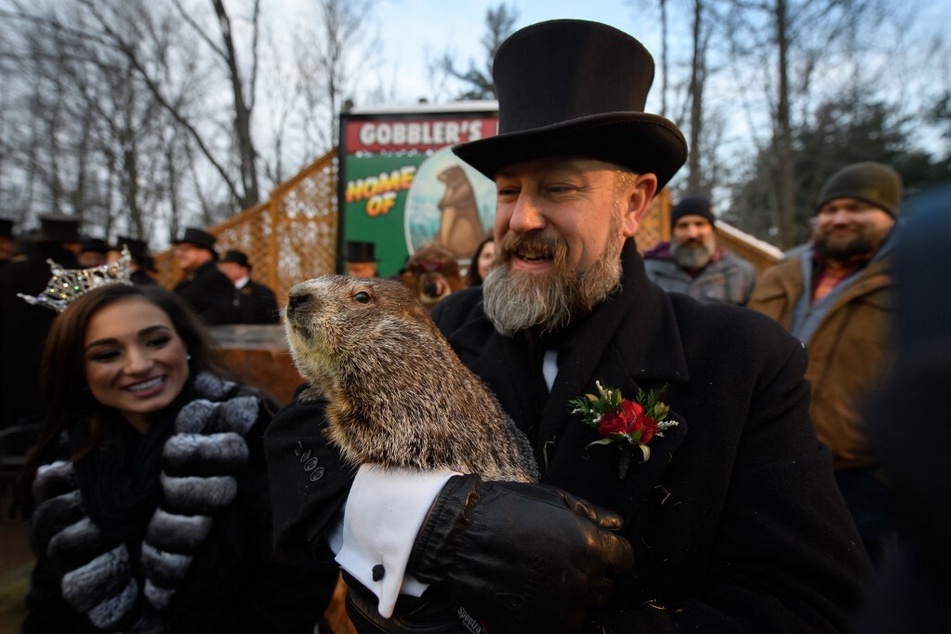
62 366
472 273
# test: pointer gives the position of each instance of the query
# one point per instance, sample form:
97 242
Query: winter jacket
209 293
727 278
205 562
23 330
851 347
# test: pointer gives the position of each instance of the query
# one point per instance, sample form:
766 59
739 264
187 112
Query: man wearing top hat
253 303
93 252
732 521
143 264
361 259
206 289
23 327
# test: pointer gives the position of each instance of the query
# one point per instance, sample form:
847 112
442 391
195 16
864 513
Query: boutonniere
627 423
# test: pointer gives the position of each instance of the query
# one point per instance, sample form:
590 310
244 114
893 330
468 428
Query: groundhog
398 394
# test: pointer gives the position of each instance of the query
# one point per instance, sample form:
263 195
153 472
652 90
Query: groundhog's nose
298 299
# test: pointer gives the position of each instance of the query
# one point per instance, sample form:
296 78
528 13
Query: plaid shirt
828 273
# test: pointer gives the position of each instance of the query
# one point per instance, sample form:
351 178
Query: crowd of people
728 482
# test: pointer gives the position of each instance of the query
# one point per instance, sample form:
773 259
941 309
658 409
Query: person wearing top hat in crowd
693 263
254 303
23 327
731 521
93 252
7 242
837 297
142 265
361 259
207 290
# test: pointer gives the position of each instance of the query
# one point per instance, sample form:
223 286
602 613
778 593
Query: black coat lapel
629 341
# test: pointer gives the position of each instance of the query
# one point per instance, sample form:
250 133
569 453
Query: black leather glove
431 613
523 557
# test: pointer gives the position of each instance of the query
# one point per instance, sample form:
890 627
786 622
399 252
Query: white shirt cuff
382 517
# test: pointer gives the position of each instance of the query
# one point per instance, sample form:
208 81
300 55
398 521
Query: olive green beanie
872 182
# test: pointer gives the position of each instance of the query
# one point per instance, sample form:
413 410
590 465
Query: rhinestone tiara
68 284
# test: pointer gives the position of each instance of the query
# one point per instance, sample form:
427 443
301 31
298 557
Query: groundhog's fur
398 394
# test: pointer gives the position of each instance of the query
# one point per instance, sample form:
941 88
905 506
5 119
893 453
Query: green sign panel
401 187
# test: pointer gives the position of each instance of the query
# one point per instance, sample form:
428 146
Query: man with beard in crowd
837 296
731 520
693 263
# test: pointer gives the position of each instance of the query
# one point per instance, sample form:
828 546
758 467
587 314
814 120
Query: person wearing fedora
23 327
204 288
692 262
837 297
686 491
254 303
361 259
8 243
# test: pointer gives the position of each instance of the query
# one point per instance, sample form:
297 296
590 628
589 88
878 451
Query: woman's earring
188 357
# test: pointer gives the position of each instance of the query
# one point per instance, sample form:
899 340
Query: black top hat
98 245
238 257
6 228
58 228
576 88
138 249
198 237
361 252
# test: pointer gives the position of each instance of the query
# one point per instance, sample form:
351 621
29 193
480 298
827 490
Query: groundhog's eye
363 297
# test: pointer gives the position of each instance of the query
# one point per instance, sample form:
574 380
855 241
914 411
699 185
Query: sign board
400 185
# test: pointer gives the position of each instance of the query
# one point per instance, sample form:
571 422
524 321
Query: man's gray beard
516 301
692 256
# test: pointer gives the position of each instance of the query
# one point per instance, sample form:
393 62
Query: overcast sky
411 30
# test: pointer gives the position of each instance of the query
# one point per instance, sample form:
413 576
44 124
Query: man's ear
639 197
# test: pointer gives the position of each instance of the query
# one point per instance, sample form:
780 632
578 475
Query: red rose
630 411
611 424
646 426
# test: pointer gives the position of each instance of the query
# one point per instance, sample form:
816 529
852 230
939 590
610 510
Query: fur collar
199 463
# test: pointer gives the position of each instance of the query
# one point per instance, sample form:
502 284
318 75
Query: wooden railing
288 238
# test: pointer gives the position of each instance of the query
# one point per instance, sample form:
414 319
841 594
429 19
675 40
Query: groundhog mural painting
401 188
449 203
460 228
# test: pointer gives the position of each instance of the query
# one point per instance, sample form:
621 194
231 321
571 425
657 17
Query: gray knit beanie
876 184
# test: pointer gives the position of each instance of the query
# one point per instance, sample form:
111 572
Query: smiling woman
147 491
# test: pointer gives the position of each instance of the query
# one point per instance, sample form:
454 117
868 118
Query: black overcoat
735 520
23 331
210 294
255 303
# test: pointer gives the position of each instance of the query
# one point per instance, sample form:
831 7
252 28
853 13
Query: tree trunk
247 155
697 77
785 175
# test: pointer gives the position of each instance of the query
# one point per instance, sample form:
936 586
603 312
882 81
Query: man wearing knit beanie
693 263
837 296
